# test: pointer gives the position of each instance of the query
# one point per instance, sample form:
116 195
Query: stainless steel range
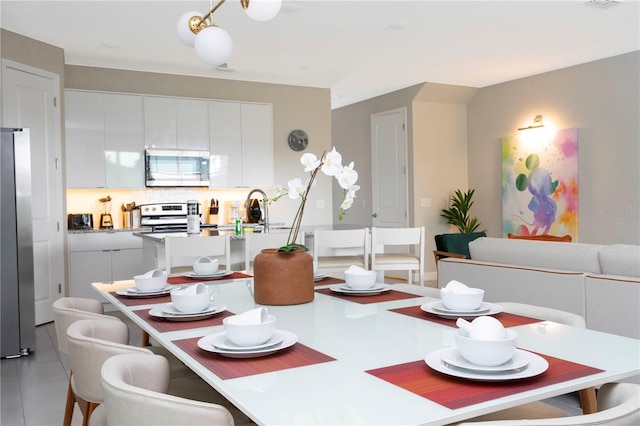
168 217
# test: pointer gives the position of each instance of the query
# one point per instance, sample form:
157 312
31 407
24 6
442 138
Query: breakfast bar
365 360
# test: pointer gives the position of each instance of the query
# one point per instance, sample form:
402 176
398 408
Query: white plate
221 342
376 289
206 343
217 274
536 365
158 313
130 293
170 309
138 291
318 277
440 306
519 361
429 307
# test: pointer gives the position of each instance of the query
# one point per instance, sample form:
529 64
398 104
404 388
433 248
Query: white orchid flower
346 204
279 191
347 177
310 162
295 188
349 196
332 163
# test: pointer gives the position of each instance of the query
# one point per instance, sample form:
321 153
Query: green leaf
458 214
293 247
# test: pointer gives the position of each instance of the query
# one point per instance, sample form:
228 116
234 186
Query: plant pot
283 278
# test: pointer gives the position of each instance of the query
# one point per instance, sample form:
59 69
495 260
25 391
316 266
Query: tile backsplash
87 200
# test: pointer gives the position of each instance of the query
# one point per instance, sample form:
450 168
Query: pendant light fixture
213 45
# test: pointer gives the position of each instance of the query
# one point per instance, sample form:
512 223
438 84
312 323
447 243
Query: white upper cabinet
104 147
176 123
241 145
123 145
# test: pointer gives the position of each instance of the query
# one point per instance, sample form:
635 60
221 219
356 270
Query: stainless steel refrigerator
17 300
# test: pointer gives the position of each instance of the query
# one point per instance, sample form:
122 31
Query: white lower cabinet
105 257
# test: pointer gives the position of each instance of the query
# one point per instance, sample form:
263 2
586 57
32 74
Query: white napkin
253 316
483 328
192 290
154 273
456 287
356 270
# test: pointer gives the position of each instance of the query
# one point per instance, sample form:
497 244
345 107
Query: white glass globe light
263 10
184 32
214 46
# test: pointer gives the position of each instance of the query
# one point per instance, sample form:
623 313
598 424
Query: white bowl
468 300
205 265
487 353
360 281
191 302
154 280
249 334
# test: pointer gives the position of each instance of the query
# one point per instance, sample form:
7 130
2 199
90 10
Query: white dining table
359 338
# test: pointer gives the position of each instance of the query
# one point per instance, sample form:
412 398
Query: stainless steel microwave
171 167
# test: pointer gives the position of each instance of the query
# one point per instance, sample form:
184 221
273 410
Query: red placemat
365 300
507 320
297 355
453 392
329 280
165 325
137 301
186 280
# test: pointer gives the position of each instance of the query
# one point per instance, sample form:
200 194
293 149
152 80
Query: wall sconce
212 44
537 123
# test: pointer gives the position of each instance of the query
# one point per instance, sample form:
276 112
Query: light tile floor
33 388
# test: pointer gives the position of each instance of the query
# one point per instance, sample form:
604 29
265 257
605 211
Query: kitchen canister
193 218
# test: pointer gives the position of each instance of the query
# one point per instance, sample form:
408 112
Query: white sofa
599 282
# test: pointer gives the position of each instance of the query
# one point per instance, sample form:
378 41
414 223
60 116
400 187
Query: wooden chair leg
145 338
90 407
588 400
68 409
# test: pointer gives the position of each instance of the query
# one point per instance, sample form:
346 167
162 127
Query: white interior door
30 100
389 169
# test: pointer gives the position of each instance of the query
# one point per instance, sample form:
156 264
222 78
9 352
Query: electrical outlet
425 202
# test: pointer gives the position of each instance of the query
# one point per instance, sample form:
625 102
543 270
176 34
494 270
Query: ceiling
359 49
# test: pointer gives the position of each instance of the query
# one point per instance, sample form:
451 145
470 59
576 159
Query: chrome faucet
266 209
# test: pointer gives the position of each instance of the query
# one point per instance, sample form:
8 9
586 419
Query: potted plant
458 213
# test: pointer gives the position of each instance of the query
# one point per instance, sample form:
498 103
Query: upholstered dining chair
337 249
135 394
398 249
92 342
180 252
256 242
66 311
618 404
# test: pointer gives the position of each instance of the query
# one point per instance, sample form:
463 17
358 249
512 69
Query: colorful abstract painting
540 184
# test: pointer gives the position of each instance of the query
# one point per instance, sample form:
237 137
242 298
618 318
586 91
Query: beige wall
601 100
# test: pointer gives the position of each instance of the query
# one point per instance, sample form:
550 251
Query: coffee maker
105 217
254 212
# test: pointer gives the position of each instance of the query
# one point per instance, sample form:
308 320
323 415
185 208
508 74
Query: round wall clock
298 140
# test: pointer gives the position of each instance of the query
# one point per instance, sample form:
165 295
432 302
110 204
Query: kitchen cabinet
105 257
104 144
176 123
241 147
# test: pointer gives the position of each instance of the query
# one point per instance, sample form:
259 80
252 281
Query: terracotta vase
283 278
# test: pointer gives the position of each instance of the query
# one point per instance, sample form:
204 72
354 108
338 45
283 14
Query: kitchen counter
109 231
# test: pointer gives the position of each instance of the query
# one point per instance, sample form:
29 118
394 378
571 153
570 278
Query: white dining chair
618 404
336 250
398 249
254 243
135 393
181 252
66 311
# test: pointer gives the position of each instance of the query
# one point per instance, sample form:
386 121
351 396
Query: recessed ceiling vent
603 4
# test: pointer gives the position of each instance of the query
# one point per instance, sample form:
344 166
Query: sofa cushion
540 254
620 259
